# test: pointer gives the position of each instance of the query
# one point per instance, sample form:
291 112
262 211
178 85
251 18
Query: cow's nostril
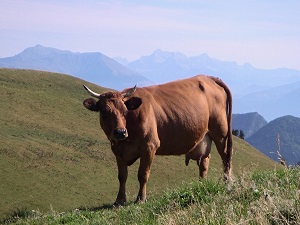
120 133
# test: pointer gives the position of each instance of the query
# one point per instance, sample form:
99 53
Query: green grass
271 197
54 156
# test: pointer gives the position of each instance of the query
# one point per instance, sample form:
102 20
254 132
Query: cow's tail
229 146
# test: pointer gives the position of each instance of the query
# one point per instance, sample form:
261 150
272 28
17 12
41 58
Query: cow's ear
90 104
133 103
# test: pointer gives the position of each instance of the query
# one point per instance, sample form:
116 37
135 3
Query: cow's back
182 111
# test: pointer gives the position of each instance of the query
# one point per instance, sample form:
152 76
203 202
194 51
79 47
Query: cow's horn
94 94
130 92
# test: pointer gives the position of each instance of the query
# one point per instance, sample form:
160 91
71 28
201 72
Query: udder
201 150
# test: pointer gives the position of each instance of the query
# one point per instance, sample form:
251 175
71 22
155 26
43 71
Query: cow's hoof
140 200
118 204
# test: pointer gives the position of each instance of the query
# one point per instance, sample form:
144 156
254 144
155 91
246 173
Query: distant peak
160 55
39 46
158 51
248 66
204 55
40 50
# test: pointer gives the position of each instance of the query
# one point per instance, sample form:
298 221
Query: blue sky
264 33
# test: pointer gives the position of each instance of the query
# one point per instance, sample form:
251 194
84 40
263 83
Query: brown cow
180 117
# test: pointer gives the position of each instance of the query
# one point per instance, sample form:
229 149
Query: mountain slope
53 153
288 129
94 67
249 123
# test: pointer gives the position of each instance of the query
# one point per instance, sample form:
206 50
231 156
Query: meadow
55 158
260 197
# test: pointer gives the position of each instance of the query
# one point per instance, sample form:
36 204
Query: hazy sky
264 33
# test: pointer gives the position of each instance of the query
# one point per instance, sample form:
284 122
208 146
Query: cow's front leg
143 175
122 176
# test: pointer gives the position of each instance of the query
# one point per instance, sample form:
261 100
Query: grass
54 156
260 197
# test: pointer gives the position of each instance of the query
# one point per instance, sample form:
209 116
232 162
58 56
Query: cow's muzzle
120 134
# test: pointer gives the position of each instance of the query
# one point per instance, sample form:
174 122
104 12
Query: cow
179 117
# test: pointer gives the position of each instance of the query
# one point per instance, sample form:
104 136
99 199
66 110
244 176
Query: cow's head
113 108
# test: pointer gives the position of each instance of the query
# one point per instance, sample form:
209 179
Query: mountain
249 123
254 90
288 129
94 67
121 60
54 155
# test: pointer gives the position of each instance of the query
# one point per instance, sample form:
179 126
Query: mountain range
94 66
272 93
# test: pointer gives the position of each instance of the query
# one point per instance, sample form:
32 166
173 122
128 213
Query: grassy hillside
263 198
53 154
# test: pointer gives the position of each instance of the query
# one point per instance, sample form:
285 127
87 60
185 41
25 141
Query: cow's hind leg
204 163
201 154
221 145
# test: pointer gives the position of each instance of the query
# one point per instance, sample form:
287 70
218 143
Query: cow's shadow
103 207
97 208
